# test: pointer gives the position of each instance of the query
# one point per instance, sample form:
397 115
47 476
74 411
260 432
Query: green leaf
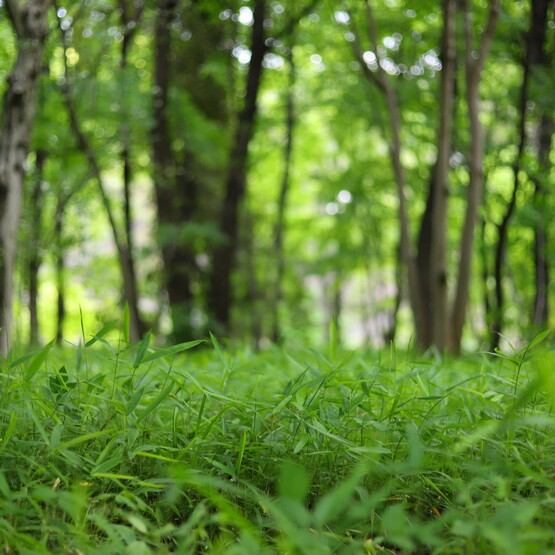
134 401
126 323
175 349
154 404
141 351
294 481
106 329
331 505
36 363
9 431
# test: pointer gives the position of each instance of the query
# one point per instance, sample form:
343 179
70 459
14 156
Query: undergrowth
113 448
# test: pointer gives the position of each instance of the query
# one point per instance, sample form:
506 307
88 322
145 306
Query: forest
264 169
275 276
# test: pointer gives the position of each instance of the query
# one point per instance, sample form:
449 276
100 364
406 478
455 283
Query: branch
13 8
294 20
373 36
476 65
85 145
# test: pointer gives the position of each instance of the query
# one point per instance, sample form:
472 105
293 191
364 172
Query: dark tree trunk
29 21
546 129
175 186
540 313
534 56
35 258
423 265
279 228
60 267
224 255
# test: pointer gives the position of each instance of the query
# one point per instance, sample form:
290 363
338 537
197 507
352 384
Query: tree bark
473 67
125 259
176 187
35 258
408 265
534 56
439 245
29 21
223 263
540 314
546 129
130 25
279 228
60 266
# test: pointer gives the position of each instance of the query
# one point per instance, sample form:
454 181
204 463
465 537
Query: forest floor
115 448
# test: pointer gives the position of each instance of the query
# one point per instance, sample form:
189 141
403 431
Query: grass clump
110 448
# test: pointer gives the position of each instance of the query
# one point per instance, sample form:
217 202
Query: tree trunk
408 270
279 227
176 187
125 259
60 267
438 251
35 258
137 325
223 262
546 128
534 56
423 265
540 315
474 68
29 21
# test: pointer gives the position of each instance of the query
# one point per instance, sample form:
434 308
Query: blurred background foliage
160 91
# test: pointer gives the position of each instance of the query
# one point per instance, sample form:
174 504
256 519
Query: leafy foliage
118 448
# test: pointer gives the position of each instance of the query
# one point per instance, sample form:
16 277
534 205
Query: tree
121 240
223 262
534 56
29 21
474 64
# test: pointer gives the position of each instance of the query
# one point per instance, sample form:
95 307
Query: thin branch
84 143
359 54
13 9
487 37
294 20
373 36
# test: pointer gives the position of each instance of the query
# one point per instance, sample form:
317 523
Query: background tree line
259 168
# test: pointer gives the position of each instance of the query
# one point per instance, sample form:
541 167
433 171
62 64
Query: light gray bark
438 259
474 67
29 21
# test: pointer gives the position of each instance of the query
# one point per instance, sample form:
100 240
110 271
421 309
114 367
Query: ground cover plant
111 447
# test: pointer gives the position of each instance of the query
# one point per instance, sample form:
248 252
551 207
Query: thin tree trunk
474 67
540 315
408 261
279 228
253 296
423 256
130 25
546 129
438 258
60 267
130 292
30 23
534 47
224 255
35 258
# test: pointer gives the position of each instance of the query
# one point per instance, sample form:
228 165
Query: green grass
116 448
